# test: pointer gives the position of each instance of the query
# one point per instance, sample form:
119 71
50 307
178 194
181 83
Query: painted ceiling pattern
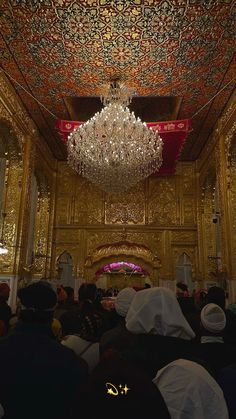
61 48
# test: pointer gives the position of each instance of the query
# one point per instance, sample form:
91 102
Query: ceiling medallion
114 149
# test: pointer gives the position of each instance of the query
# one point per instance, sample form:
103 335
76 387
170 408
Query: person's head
190 391
146 285
38 302
157 311
117 387
123 301
61 294
4 291
216 295
181 289
213 319
70 293
87 292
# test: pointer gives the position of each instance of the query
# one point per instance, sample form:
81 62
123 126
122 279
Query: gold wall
25 153
216 175
158 216
152 225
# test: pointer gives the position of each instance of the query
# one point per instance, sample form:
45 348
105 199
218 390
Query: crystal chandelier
114 149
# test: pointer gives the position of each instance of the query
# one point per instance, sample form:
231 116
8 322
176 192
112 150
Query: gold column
24 213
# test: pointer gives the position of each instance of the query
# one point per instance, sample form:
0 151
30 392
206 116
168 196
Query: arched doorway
125 257
184 271
121 274
65 270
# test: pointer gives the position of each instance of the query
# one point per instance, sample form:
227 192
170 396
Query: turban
38 297
123 301
213 318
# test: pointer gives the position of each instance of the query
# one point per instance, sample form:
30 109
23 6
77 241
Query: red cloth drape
173 134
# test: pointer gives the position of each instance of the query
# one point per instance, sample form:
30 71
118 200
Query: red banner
173 134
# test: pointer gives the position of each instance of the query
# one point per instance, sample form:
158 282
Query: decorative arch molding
65 269
190 253
65 257
130 252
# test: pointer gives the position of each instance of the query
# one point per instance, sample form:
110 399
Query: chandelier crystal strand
114 149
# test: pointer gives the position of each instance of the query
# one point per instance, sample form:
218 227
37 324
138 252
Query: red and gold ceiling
60 49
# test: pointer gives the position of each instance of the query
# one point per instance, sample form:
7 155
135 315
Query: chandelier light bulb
114 149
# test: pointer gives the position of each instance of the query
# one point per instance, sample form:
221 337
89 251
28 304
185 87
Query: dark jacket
118 338
227 381
5 312
39 377
153 352
216 355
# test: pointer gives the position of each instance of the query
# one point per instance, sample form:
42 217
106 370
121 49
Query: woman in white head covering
118 337
123 301
156 311
190 392
159 333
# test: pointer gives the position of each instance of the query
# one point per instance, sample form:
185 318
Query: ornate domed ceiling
179 52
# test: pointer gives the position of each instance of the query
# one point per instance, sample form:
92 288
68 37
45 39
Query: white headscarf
123 301
190 392
213 318
157 311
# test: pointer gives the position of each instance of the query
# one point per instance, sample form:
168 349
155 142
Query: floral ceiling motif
60 48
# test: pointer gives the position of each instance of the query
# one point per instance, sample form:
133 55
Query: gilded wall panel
67 235
127 207
189 210
88 203
63 209
209 234
15 111
12 207
162 201
41 234
153 240
188 179
65 178
232 195
184 237
99 238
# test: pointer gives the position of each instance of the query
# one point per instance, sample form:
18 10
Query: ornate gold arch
129 252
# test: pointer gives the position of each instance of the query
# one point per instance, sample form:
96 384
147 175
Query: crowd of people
152 351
